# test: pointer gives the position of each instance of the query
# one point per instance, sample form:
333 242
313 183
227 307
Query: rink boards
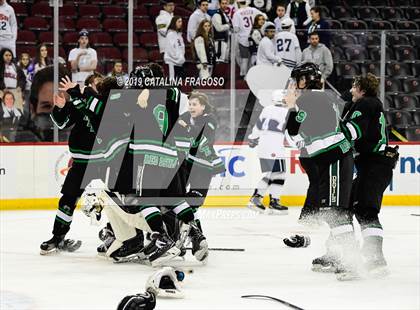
31 176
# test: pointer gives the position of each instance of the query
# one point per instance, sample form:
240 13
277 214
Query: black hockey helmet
311 73
144 301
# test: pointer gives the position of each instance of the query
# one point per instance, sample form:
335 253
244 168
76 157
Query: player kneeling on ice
268 134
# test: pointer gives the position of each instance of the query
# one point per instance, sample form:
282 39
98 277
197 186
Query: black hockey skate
162 249
256 204
276 208
58 243
325 263
200 248
130 250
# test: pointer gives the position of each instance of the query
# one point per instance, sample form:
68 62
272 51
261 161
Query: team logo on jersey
301 116
356 114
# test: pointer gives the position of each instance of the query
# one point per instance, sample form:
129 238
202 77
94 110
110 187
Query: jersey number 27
281 44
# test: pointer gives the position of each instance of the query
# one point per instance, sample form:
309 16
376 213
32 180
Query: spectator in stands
287 45
117 70
41 59
12 76
214 6
8 27
266 54
242 24
10 117
83 59
281 16
262 5
175 49
8 108
319 25
221 29
162 23
319 54
203 49
42 102
196 18
28 69
255 37
300 12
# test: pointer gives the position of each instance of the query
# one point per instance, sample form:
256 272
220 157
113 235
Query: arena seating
355 42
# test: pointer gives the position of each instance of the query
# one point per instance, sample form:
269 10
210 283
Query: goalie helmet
144 301
164 283
311 73
277 97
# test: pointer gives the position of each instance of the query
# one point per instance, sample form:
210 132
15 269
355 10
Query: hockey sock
64 217
197 219
262 186
276 184
184 212
153 217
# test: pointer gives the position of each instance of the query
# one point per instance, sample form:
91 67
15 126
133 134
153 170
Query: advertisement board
31 176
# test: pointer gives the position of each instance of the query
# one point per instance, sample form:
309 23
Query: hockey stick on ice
225 249
413 214
273 298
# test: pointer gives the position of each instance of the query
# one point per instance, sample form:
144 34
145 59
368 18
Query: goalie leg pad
122 230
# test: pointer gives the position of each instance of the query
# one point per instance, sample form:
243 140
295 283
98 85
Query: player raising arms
198 127
81 141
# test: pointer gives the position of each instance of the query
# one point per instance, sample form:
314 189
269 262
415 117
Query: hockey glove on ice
297 241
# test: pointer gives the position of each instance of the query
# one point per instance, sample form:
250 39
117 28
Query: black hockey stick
415 214
224 249
273 298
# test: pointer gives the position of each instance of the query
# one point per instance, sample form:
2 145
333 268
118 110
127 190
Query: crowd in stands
191 37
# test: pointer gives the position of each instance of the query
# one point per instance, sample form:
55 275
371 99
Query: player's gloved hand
297 241
253 142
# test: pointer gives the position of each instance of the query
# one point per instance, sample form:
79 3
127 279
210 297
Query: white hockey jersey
270 129
288 48
8 24
242 22
266 54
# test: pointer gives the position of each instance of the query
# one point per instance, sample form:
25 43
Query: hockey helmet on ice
144 301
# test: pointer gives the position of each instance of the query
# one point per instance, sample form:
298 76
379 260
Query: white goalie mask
277 97
164 283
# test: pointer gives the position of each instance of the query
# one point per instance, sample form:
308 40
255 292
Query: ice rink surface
81 280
